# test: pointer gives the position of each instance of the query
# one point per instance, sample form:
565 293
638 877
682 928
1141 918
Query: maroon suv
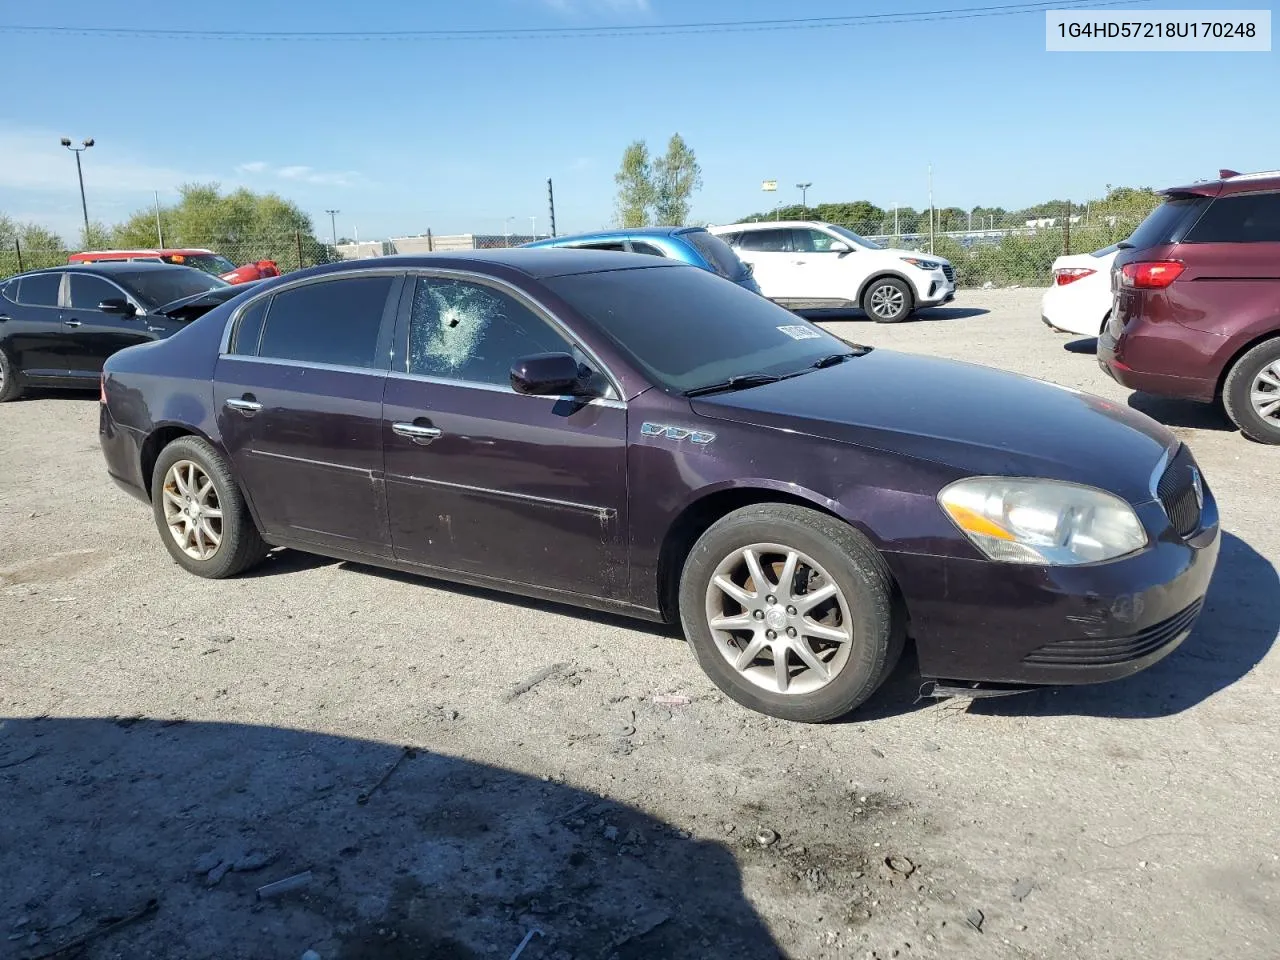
1196 310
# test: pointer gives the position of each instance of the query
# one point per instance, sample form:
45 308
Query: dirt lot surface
574 779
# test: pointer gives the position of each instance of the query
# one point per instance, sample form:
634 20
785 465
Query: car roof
767 225
107 269
1228 182
538 263
616 235
145 252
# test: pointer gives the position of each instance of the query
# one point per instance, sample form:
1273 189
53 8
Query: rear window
1239 218
767 241
39 290
717 253
1168 222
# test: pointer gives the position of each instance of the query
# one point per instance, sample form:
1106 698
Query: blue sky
459 136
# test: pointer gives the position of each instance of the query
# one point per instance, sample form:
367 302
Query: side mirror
548 374
839 246
117 305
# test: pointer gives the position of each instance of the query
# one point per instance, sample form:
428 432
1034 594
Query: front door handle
71 323
4 318
416 432
244 405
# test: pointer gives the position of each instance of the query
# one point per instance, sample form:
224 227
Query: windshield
155 288
860 240
687 328
208 262
717 253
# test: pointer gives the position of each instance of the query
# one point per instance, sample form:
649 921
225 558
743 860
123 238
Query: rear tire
1251 393
854 634
201 514
888 300
11 385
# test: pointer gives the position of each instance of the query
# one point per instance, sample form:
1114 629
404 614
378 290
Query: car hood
895 253
973 418
188 308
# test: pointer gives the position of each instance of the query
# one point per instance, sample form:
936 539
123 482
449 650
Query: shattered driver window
466 331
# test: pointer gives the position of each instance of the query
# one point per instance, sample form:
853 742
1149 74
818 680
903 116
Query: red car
201 259
1196 301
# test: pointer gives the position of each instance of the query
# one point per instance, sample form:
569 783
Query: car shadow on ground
57 393
173 828
1173 412
925 315
1236 630
1085 345
287 561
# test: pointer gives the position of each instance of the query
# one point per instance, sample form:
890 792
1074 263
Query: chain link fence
991 253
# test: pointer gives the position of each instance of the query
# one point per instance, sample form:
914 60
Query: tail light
1064 275
1151 274
102 388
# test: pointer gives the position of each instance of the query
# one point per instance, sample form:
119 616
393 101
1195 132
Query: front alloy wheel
779 619
888 300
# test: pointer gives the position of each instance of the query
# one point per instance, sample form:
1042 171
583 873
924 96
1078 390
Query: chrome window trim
305 364
537 306
224 344
611 403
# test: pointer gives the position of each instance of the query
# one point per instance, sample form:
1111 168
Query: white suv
810 265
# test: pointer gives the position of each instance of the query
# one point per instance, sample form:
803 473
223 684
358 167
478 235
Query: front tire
790 612
200 513
11 385
1251 393
888 300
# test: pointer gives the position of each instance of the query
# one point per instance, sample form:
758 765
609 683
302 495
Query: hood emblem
675 433
1197 486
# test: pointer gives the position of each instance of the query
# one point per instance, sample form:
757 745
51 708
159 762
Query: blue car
692 245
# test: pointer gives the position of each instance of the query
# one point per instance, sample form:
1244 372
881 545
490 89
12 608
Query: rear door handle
244 405
71 323
4 317
415 432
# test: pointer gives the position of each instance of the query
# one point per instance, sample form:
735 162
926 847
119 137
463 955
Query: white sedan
1080 299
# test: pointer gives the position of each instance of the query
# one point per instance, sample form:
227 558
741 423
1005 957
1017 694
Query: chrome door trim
605 513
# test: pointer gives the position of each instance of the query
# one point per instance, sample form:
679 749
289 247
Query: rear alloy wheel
10 380
1251 393
200 513
790 612
888 300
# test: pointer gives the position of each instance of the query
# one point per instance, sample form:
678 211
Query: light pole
533 228
804 194
506 229
84 207
333 224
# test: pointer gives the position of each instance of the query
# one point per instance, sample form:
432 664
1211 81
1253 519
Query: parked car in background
1196 310
632 434
1080 299
691 245
58 326
812 265
206 260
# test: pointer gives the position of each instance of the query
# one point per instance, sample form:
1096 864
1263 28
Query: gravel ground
572 778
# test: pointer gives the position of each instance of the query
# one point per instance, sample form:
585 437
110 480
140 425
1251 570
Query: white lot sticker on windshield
798 331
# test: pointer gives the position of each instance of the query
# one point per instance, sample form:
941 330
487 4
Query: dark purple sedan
634 435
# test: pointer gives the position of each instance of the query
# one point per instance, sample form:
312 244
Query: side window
39 289
473 333
767 241
87 292
603 245
333 321
639 246
248 332
812 241
1241 218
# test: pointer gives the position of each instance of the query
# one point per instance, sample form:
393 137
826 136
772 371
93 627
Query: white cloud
298 173
34 160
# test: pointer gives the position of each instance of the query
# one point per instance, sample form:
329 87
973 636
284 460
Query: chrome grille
1181 493
1101 651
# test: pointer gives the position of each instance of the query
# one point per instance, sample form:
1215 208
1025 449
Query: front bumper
933 289
981 621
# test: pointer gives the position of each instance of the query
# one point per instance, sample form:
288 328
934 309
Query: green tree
676 176
40 246
635 186
98 237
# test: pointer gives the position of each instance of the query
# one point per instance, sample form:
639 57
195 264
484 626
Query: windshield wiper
830 361
741 382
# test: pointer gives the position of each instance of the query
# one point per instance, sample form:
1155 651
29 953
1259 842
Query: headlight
922 264
1042 521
